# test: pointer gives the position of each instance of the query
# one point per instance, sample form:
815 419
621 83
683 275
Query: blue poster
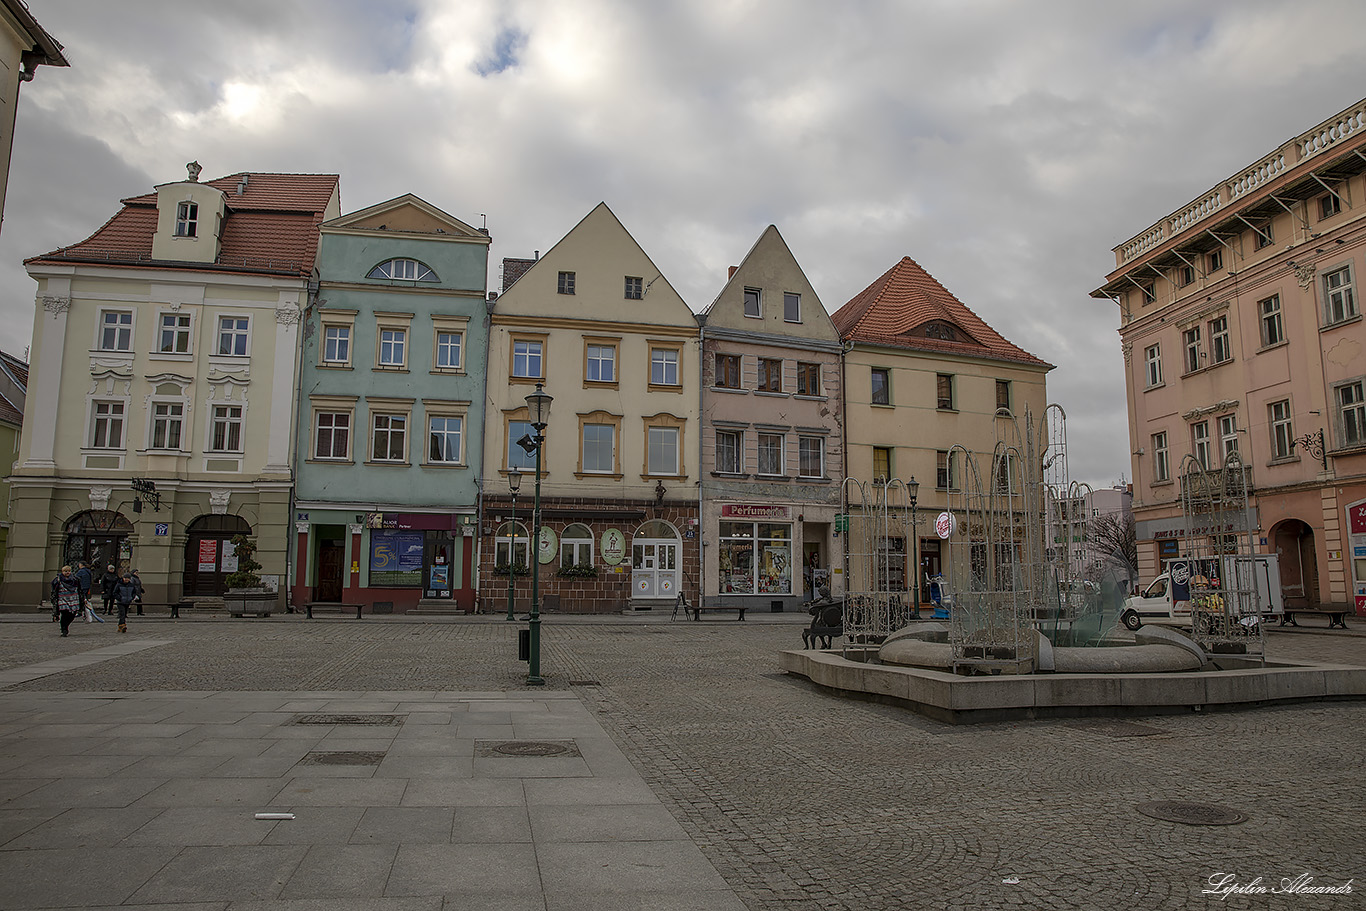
396 558
1181 579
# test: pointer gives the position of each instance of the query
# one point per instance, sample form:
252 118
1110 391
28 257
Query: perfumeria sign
748 511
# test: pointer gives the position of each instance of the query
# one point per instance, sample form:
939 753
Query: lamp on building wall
145 490
538 407
514 484
913 488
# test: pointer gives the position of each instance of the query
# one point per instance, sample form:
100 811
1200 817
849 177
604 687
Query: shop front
773 556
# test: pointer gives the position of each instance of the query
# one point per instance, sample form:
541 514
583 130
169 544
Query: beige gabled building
160 414
1241 330
596 323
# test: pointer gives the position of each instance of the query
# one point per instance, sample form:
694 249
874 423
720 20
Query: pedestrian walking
66 597
125 590
108 579
137 580
85 578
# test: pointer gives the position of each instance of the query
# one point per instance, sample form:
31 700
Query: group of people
71 594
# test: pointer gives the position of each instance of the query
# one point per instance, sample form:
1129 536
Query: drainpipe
701 478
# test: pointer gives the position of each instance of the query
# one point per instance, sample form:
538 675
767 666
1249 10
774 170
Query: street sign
163 529
841 521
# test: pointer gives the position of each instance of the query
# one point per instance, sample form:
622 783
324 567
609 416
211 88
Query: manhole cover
343 757
518 749
349 719
1191 814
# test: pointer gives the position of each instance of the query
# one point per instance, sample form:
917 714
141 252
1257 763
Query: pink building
1241 330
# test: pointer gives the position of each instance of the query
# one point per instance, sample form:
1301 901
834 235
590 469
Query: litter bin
775 607
524 645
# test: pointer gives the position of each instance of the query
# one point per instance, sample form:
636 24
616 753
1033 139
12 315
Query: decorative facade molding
287 316
56 305
1216 408
218 501
1305 275
99 497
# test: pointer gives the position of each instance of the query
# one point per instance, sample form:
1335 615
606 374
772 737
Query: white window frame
635 288
385 347
1200 444
445 435
1349 405
124 332
576 546
803 444
661 361
613 442
564 282
389 416
600 354
1161 459
1269 320
1339 298
792 303
402 269
738 436
1282 426
334 410
756 297
187 218
176 415
1190 346
1228 435
444 348
515 456
764 440
510 540
183 327
109 419
527 356
228 422
654 432
236 333
342 341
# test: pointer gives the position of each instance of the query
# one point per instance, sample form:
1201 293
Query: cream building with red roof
165 353
923 373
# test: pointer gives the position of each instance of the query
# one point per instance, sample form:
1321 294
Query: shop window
755 558
576 547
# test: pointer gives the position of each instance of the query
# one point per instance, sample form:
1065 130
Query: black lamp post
538 406
514 484
912 488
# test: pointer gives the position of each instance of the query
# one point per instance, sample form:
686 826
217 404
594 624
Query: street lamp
538 406
514 484
912 488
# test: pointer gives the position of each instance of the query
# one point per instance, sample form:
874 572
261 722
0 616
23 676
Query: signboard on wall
613 546
755 511
396 558
208 555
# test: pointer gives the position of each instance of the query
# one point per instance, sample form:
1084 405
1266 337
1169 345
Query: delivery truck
1169 596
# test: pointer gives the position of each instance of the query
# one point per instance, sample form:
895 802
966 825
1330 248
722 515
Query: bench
333 608
1337 615
697 611
827 624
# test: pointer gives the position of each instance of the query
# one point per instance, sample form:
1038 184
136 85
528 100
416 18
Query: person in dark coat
108 579
85 578
66 597
137 580
125 590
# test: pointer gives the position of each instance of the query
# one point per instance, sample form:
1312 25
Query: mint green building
391 411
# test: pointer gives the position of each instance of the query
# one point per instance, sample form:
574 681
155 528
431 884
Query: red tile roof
895 309
271 226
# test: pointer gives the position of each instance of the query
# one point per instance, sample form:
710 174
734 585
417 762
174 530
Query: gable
407 214
770 269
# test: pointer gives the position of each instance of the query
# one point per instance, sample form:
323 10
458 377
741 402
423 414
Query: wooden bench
333 609
698 609
1336 614
827 624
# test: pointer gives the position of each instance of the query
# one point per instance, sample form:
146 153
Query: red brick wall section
609 592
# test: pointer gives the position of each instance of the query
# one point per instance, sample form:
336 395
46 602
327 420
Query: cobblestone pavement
805 800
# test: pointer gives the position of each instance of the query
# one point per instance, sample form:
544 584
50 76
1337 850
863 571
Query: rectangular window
1161 464
232 335
227 429
1190 341
728 371
1003 395
443 439
392 347
662 454
175 333
1214 261
1152 359
770 374
187 219
1200 444
752 302
1273 333
771 453
943 470
527 359
565 284
1329 205
601 364
811 457
1219 346
808 379
517 456
332 439
882 463
337 345
792 307
1265 236
1148 292
390 438
116 330
634 288
1282 430
881 379
106 431
1352 414
1184 276
943 390
167 422
729 449
448 346
1228 435
663 366
1339 301
599 448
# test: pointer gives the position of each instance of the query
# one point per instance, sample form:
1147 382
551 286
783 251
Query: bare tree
1115 539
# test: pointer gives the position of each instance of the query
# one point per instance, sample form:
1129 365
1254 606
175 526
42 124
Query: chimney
731 273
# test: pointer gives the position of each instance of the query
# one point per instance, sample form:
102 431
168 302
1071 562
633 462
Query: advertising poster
229 564
208 556
396 558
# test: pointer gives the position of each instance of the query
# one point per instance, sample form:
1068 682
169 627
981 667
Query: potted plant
246 594
577 571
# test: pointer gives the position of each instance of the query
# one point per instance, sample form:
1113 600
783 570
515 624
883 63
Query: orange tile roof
272 226
895 309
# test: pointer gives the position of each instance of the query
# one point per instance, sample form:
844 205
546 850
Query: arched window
209 553
510 540
408 270
656 528
576 546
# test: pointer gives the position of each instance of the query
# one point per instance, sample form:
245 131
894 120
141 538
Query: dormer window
187 220
409 270
942 331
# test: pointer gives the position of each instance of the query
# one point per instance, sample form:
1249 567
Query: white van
1158 600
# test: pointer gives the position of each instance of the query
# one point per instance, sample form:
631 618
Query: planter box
258 602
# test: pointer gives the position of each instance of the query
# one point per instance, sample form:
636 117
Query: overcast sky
1005 146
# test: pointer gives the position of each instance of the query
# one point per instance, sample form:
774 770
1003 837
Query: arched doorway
207 561
99 537
656 561
1294 543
